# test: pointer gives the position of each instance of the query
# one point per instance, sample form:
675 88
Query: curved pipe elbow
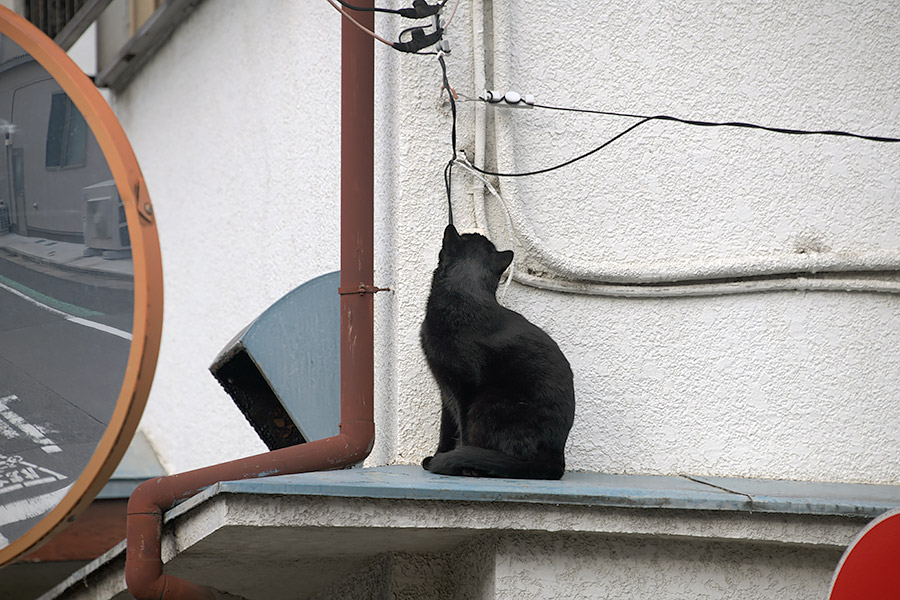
165 587
143 565
152 496
360 437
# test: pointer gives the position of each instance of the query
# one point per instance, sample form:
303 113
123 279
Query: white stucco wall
235 124
792 384
563 567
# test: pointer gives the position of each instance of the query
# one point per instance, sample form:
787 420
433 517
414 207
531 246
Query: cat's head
472 255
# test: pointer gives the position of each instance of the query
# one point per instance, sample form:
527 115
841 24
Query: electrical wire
448 173
452 14
647 118
448 170
568 162
366 30
409 13
392 11
511 271
871 138
550 270
452 100
339 5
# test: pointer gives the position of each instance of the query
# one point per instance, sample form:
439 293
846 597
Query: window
66 134
128 32
51 15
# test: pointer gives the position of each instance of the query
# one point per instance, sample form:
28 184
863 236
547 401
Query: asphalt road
64 344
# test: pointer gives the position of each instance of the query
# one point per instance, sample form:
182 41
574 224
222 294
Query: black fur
508 400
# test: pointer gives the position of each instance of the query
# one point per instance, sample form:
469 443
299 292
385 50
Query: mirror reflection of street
66 292
64 344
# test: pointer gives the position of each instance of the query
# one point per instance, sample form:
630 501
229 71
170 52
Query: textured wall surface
668 192
791 384
234 124
563 567
235 121
555 567
559 567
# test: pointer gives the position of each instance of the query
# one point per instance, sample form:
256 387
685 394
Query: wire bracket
362 290
510 99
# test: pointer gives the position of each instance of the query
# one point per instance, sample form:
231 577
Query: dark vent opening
242 380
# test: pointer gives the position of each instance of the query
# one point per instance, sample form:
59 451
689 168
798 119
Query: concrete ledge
296 536
586 489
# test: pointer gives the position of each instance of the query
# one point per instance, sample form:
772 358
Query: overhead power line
647 118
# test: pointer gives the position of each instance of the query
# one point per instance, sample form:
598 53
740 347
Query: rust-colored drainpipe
143 567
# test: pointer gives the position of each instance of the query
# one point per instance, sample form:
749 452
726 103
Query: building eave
144 43
312 529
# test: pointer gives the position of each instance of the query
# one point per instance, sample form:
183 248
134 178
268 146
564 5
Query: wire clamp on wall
420 40
362 290
510 99
421 10
413 39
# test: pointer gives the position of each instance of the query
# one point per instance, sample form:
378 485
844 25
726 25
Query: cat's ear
502 261
451 237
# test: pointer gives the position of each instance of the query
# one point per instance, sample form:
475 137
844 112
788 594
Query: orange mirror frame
148 293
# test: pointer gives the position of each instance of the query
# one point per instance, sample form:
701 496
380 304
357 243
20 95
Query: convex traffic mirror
80 289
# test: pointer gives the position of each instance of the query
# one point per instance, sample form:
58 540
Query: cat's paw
426 461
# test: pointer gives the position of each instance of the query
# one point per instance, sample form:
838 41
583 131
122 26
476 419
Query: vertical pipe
357 216
143 567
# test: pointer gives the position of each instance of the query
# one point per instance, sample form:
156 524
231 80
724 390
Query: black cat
508 399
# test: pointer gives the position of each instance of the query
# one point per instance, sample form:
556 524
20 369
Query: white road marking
100 327
43 480
15 474
12 488
28 508
25 427
7 431
77 320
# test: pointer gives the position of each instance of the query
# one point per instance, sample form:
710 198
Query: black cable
420 9
448 170
568 162
368 8
871 138
448 173
646 118
419 41
452 102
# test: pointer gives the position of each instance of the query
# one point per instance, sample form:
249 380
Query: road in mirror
66 292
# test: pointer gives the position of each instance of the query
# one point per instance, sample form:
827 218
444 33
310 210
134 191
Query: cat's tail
484 462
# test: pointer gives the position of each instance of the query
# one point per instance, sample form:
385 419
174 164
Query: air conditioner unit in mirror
105 228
